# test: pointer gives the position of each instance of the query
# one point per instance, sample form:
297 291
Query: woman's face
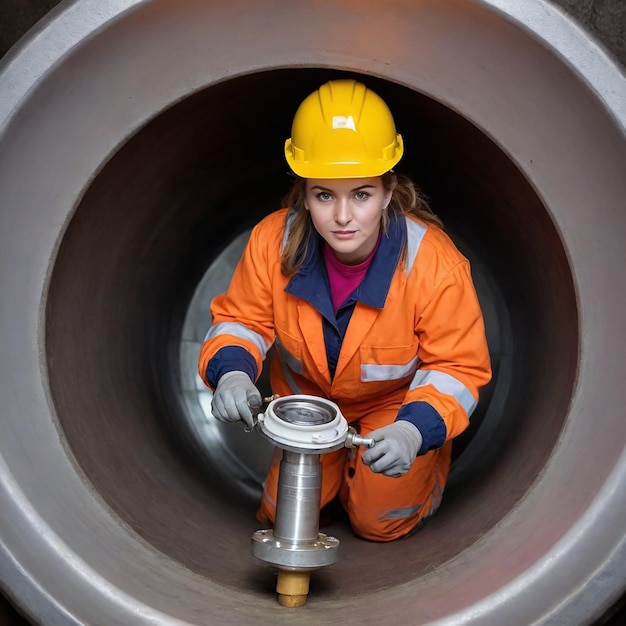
347 213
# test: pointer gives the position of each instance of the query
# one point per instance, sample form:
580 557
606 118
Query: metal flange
295 555
302 423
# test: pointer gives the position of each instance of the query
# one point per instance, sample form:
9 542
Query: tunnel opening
156 218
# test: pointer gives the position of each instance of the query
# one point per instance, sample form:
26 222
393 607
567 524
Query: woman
368 303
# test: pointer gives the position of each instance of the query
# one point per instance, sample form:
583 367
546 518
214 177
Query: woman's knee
375 526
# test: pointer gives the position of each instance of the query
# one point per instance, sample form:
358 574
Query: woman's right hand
235 398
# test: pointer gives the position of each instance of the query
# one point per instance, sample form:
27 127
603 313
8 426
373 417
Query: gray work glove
235 398
396 447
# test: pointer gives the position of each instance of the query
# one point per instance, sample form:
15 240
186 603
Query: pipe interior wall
151 222
147 171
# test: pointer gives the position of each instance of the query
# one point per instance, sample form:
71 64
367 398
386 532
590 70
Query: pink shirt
344 279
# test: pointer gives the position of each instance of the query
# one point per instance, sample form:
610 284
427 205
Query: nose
343 214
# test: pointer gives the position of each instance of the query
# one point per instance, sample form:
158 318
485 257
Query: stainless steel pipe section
299 495
295 543
137 140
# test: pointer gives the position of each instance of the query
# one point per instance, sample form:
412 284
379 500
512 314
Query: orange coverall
408 344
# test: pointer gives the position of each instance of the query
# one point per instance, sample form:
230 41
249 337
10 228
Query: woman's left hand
396 447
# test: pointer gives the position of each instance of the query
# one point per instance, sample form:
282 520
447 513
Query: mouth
343 234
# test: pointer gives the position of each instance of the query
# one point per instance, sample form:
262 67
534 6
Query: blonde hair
406 197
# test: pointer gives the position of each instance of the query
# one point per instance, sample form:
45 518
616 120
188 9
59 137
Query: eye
323 196
361 195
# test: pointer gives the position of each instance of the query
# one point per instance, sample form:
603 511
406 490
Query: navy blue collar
310 282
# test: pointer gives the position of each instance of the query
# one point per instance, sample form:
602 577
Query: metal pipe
118 162
297 520
299 493
303 426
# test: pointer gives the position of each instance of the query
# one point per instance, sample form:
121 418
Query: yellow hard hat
343 130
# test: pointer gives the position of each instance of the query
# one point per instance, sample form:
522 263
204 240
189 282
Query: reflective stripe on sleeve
444 383
240 331
371 373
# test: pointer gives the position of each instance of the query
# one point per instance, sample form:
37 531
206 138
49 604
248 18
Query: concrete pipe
139 141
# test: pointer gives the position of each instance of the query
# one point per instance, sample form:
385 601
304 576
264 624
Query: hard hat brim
330 170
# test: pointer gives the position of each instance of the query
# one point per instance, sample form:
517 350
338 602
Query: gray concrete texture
605 19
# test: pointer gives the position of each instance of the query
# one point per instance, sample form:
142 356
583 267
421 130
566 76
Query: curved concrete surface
138 141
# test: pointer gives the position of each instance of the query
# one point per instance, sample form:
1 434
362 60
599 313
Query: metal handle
354 440
255 417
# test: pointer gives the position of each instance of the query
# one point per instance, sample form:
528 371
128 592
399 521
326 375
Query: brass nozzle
292 588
